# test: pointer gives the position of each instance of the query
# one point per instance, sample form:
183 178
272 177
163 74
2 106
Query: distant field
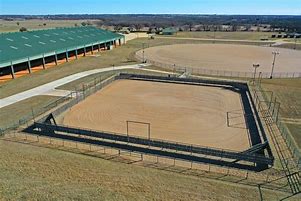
224 57
226 35
12 26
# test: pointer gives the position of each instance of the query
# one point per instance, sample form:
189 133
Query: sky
252 7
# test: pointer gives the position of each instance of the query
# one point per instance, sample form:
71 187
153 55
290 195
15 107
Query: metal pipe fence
35 112
69 100
217 73
73 98
284 131
162 144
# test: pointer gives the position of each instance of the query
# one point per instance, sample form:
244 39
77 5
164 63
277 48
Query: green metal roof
169 30
17 47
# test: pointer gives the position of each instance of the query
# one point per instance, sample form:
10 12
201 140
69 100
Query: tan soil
238 58
177 112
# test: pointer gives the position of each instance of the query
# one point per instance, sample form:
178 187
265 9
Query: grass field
31 172
226 35
288 93
12 26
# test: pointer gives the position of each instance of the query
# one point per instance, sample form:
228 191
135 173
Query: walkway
47 88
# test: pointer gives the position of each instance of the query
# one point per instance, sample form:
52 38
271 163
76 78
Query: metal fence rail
155 143
69 100
34 113
162 144
184 80
217 73
156 152
284 131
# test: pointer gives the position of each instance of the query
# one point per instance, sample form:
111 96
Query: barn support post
43 59
76 53
84 51
119 42
29 65
55 57
98 47
67 56
12 70
92 49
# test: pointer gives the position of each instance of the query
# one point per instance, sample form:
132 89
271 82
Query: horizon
201 14
155 7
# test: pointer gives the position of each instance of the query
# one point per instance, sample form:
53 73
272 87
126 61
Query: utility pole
259 78
255 66
143 60
275 53
214 30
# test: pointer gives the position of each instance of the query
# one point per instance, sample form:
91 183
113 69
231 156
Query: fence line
218 73
73 98
284 131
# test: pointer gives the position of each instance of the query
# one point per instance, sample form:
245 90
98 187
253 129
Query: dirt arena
177 112
238 58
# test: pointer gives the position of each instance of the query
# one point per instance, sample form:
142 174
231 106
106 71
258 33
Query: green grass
13 113
295 130
36 173
288 93
226 35
12 26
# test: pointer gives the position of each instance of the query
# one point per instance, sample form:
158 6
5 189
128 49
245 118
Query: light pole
275 53
143 53
255 66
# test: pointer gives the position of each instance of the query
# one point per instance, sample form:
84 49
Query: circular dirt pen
225 57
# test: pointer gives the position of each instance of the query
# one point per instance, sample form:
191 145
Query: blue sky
35 7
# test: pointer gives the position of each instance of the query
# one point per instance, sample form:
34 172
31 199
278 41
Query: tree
138 27
75 24
117 28
44 24
84 24
18 23
23 29
234 28
190 26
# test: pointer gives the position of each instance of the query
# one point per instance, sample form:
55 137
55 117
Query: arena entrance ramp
50 119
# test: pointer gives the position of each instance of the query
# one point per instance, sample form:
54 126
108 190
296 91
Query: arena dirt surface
177 112
238 58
